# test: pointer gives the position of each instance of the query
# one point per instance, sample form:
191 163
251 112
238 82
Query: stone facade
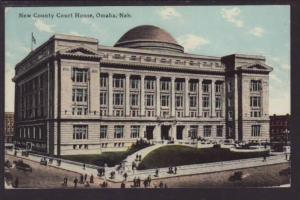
280 129
75 96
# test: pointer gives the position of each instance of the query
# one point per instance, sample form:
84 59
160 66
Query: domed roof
149 37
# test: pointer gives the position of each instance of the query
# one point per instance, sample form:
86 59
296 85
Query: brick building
9 127
280 128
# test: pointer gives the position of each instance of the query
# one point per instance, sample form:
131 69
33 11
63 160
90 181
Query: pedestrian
286 156
134 182
122 185
175 170
65 181
156 172
137 157
92 179
84 166
161 185
166 185
125 176
16 182
265 158
81 179
75 182
138 182
140 157
85 177
149 179
145 183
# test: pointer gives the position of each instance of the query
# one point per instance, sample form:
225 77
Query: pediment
79 50
256 67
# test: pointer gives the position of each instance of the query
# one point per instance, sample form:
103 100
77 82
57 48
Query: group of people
171 171
137 182
82 180
138 157
101 172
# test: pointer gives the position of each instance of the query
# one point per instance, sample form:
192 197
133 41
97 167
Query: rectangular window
103 98
103 131
219 131
218 88
255 85
193 101
118 99
149 100
165 100
103 81
79 95
80 132
179 101
218 102
79 75
164 85
179 86
207 131
255 101
205 101
255 131
118 82
149 84
134 99
135 132
205 87
79 110
193 86
193 133
134 83
119 131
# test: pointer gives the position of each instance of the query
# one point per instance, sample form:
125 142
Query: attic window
148 59
133 58
117 56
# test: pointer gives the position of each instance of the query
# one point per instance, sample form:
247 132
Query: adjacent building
280 129
76 96
9 127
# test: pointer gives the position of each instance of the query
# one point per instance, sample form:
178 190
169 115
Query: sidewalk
163 172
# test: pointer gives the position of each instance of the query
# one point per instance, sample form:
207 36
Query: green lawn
177 155
110 158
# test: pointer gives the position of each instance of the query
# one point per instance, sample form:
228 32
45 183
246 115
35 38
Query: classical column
200 97
173 133
157 133
127 95
213 99
110 94
223 101
173 96
186 98
142 95
158 96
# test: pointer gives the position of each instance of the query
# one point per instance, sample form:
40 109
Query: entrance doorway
149 132
165 132
179 132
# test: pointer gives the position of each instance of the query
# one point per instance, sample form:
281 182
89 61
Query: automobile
20 165
25 153
43 161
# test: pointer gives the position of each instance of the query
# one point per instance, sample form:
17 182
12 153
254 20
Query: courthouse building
76 96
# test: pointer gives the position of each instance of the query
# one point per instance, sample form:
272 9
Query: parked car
20 165
43 161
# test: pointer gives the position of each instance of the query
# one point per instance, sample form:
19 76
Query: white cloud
169 13
26 49
257 31
191 42
6 10
9 88
274 77
286 66
232 15
42 26
75 33
8 54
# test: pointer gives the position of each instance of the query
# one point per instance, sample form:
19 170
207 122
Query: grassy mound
177 155
110 158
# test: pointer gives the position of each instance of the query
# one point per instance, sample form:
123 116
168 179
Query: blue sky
204 30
